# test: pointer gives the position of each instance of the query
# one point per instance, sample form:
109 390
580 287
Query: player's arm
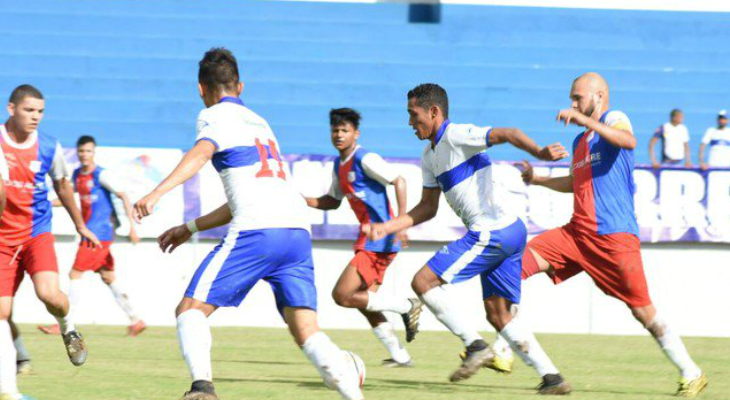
133 237
325 202
563 184
703 148
3 197
519 139
190 164
618 135
425 210
652 144
4 173
687 156
64 190
180 234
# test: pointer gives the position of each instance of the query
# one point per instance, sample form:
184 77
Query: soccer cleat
553 384
391 363
502 365
201 390
24 367
478 355
136 328
411 319
691 388
76 348
50 329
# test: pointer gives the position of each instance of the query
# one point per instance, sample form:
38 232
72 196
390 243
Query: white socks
441 305
8 367
193 332
673 347
22 352
329 361
379 301
386 334
123 301
75 299
528 348
66 323
502 348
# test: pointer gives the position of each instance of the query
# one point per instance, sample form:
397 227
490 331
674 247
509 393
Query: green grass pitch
255 363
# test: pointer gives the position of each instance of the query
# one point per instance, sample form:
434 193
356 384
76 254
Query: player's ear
357 134
239 88
11 109
201 90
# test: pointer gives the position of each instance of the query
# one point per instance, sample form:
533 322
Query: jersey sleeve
619 120
659 133
429 178
335 191
108 182
708 137
59 168
475 137
685 135
206 130
377 168
4 171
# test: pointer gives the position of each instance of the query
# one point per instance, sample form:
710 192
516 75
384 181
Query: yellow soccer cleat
692 388
502 365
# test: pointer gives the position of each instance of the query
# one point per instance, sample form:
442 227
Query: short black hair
430 94
675 112
21 92
218 70
84 140
339 116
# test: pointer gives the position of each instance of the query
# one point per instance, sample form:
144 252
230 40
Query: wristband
192 227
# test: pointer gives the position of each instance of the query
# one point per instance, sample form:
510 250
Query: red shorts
371 265
35 255
89 259
613 261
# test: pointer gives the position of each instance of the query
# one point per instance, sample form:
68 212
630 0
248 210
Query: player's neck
344 154
87 169
16 135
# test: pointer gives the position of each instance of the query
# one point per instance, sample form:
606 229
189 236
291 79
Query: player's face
344 136
677 119
721 122
27 114
85 153
585 100
420 120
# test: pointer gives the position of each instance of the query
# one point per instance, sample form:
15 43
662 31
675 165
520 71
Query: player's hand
655 165
88 238
704 166
572 116
528 173
402 237
552 152
144 207
173 237
374 232
133 237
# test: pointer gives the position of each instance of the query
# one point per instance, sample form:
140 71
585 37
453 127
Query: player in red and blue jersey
95 186
362 177
602 238
26 243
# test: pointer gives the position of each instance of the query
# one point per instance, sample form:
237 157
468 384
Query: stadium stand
122 70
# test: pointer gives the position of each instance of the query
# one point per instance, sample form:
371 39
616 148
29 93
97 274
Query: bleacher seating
125 70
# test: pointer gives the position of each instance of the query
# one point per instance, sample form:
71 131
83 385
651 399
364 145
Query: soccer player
95 186
602 236
26 242
362 177
455 163
268 237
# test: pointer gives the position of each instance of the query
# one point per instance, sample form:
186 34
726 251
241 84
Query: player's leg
108 276
8 355
195 340
501 288
384 331
75 299
23 356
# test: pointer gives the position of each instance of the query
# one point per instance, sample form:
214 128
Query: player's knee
107 279
499 319
50 296
341 298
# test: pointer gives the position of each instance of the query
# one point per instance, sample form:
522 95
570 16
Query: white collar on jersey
345 161
28 143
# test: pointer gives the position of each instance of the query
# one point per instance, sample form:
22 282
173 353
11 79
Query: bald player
602 237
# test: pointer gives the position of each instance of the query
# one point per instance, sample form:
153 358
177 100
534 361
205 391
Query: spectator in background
675 141
719 141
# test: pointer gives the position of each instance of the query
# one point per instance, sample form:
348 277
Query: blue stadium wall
125 71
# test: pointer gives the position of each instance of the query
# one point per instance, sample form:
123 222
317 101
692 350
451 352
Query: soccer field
255 363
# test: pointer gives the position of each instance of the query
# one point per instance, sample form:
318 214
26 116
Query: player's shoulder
615 116
44 137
